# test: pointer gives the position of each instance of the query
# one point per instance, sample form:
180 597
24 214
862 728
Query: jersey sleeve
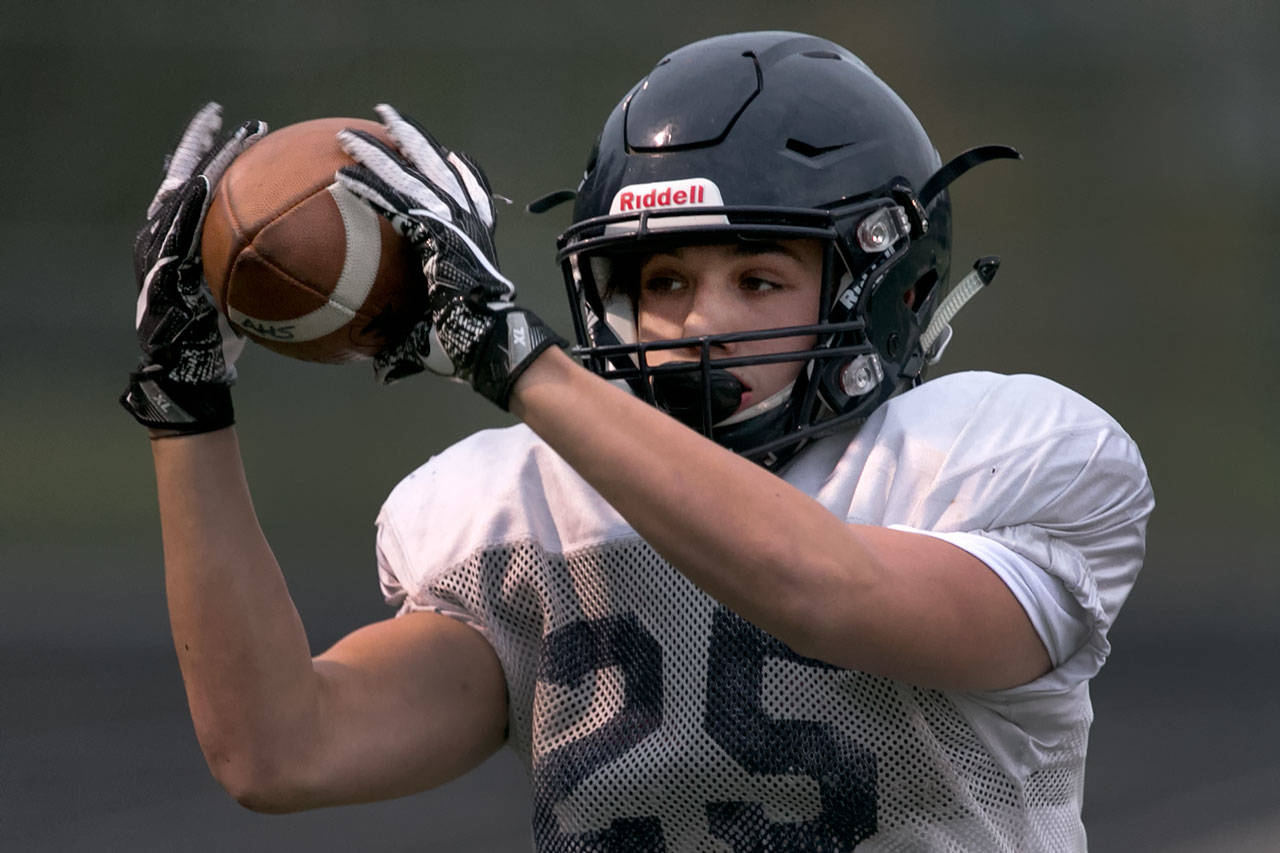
1033 479
434 518
495 489
1061 489
396 573
1089 535
1057 617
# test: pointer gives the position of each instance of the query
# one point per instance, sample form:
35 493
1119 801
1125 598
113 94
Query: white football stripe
359 271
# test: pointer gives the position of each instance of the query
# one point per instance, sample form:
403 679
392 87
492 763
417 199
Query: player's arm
894 603
889 602
396 707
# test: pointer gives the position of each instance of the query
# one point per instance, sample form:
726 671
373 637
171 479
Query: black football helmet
769 135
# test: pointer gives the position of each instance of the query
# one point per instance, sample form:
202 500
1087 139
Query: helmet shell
774 119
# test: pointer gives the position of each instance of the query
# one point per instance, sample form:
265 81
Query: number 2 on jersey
735 717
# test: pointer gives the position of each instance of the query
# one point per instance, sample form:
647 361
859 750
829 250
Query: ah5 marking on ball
297 262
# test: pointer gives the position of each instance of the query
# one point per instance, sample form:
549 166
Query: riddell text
661 198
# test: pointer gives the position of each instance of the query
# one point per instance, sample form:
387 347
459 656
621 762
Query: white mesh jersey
652 718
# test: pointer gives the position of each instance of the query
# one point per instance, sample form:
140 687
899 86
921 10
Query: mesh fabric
652 718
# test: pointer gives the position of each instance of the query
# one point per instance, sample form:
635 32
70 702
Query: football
300 264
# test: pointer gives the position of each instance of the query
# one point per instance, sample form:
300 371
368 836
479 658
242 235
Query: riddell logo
691 192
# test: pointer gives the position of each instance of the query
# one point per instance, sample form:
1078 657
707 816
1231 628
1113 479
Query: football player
739 580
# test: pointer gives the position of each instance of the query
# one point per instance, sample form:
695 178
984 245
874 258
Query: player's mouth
748 397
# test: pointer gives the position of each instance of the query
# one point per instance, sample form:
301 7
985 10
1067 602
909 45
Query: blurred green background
1138 235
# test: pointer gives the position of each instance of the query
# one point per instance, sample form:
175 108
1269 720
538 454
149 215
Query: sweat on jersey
650 717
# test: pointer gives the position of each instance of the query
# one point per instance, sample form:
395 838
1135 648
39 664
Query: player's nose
712 311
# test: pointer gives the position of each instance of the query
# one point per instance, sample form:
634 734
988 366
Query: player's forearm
244 655
749 539
884 601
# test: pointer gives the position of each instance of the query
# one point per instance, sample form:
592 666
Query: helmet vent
806 150
821 54
678 106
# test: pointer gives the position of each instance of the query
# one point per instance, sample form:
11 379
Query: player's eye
756 284
660 284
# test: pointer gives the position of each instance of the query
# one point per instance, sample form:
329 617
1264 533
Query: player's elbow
261 789
268 801
258 780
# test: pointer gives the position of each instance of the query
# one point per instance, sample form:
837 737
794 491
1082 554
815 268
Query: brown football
300 264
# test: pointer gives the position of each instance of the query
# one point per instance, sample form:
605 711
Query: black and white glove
440 200
183 381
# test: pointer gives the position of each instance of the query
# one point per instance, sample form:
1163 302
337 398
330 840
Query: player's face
691 291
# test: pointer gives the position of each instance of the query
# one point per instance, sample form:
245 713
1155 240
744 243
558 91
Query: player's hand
183 379
440 200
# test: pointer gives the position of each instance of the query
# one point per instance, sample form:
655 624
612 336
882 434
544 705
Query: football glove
183 380
441 202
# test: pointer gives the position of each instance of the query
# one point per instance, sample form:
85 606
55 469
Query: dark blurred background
1138 237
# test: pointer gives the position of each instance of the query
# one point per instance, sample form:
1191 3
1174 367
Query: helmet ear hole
918 294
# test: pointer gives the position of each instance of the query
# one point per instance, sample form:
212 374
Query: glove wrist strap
518 338
157 402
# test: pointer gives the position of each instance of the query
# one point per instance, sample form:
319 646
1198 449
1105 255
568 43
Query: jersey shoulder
495 487
993 412
1029 464
979 451
1010 449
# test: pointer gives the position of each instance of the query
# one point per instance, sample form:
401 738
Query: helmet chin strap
937 335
